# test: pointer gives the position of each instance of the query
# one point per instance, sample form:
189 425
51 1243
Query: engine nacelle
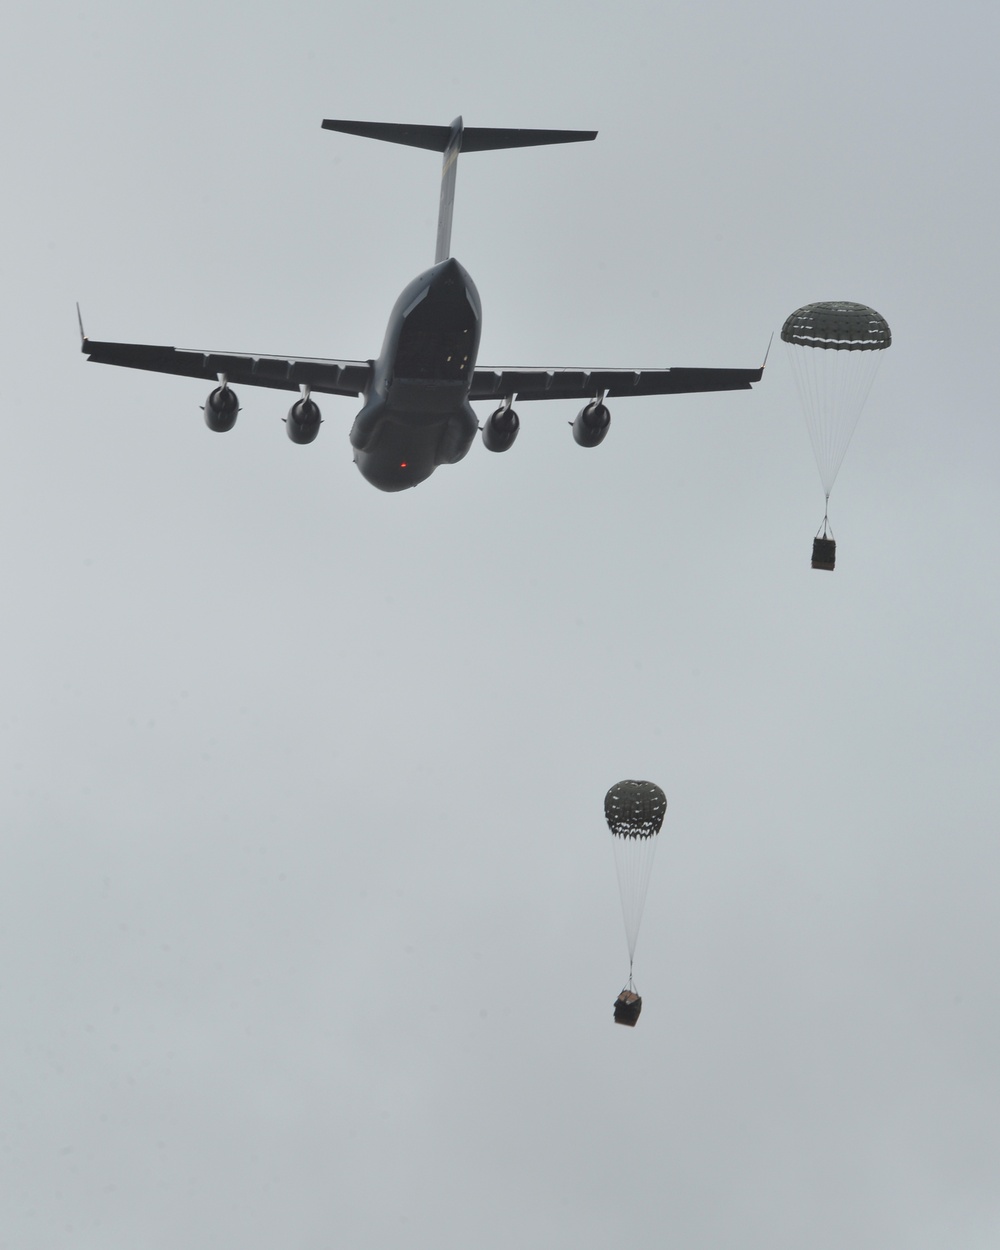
591 424
501 429
303 421
220 409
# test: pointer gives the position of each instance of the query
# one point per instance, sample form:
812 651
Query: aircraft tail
450 140
474 138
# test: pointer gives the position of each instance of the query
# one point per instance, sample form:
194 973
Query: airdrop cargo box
824 553
627 1007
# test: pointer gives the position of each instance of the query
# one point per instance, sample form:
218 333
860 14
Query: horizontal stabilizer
474 138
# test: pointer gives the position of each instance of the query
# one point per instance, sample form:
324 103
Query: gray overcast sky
309 915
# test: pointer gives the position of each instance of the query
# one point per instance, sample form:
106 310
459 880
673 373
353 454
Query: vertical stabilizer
451 140
449 168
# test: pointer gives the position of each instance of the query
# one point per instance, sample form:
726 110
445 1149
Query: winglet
83 337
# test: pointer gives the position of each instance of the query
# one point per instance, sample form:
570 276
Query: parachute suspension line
824 530
634 862
833 386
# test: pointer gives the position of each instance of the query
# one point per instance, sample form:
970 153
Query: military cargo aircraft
416 411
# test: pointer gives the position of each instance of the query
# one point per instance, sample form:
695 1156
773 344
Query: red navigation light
403 465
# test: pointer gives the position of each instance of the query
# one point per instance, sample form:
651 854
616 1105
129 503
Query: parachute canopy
838 324
634 811
835 348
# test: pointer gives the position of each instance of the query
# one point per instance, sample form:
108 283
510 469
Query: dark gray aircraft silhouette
416 412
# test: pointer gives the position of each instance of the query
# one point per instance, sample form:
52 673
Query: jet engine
591 424
501 429
220 409
303 420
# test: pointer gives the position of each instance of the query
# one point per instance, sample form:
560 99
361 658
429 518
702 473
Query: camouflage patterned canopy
838 324
635 809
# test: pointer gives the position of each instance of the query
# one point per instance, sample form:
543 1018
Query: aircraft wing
330 377
587 384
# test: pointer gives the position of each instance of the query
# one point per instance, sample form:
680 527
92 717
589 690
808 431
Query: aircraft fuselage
417 413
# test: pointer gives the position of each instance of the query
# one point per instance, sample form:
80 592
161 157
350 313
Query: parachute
835 348
634 811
